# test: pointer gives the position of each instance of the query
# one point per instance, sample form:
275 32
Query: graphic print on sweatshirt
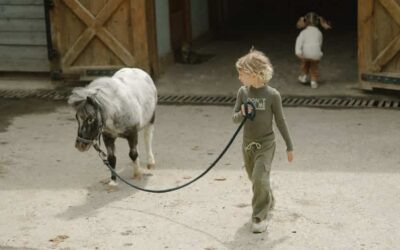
259 103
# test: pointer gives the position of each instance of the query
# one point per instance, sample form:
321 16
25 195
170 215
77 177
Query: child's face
247 79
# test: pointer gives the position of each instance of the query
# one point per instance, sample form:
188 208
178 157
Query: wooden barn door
379 43
96 37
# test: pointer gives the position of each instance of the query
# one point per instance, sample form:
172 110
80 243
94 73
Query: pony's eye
90 120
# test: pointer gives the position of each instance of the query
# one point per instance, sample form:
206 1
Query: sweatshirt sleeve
299 44
280 121
237 114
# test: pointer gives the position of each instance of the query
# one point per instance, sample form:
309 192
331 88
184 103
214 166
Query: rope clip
249 115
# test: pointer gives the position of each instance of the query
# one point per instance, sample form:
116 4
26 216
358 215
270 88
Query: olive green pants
258 157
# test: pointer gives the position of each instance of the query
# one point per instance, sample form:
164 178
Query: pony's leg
148 139
109 141
133 154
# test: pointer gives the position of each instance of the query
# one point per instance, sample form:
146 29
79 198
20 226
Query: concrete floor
341 191
218 76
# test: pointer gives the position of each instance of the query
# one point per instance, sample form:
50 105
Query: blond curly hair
256 62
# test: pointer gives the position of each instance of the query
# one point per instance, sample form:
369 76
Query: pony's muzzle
82 146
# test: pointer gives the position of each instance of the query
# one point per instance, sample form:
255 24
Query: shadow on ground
11 108
100 194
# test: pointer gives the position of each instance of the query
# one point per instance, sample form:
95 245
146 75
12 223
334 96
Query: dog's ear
325 24
301 23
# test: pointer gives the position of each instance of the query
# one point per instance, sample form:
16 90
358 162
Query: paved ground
341 192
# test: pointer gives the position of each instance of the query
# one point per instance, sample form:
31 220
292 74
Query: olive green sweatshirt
268 103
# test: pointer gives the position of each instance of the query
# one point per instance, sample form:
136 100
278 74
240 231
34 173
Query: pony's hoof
137 176
105 181
113 183
111 189
151 166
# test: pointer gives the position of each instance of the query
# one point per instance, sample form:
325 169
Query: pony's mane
101 90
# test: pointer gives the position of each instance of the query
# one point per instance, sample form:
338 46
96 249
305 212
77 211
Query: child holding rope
255 72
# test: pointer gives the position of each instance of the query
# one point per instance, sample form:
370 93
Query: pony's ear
325 24
301 23
91 101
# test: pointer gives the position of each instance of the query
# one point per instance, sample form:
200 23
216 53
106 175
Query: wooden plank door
99 35
379 43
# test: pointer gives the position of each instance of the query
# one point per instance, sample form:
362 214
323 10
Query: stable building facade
82 39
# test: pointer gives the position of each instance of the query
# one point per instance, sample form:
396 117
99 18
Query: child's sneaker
259 227
302 78
314 84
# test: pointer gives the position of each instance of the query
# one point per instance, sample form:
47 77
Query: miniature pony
117 106
308 46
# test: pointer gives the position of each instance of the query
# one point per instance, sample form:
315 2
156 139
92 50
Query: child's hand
290 156
249 109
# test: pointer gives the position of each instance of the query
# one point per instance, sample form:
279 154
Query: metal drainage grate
340 102
288 101
196 100
47 94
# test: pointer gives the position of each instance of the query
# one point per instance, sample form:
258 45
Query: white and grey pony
117 106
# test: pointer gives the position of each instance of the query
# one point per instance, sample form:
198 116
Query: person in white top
308 46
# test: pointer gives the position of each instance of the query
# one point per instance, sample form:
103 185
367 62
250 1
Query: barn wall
23 44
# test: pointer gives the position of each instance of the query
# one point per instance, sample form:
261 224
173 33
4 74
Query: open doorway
271 27
180 25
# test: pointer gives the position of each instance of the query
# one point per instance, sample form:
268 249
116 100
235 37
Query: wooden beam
140 36
21 12
387 54
24 65
80 11
116 47
22 25
106 12
152 39
95 27
393 8
365 33
21 2
79 45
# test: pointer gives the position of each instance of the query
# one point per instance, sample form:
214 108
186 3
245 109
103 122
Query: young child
308 46
255 72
